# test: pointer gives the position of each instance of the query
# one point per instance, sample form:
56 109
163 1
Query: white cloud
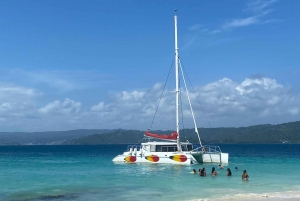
56 79
255 100
61 108
255 13
195 27
227 103
6 91
241 22
258 8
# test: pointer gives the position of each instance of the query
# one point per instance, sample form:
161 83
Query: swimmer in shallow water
214 172
228 172
203 173
194 171
245 176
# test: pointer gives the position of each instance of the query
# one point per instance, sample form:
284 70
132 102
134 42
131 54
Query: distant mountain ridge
44 138
281 133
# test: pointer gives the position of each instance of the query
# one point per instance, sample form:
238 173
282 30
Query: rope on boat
187 92
198 100
161 96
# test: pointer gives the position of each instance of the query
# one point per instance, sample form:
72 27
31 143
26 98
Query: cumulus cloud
16 98
255 100
61 108
225 102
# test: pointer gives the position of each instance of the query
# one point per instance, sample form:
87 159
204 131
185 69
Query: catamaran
168 149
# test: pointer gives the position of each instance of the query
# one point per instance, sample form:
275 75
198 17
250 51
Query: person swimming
203 172
194 171
236 168
220 166
228 172
213 172
245 176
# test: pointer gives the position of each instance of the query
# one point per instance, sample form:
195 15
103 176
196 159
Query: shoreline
270 196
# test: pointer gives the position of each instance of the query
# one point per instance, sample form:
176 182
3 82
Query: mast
177 84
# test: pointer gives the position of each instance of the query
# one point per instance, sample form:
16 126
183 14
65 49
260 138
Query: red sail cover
172 136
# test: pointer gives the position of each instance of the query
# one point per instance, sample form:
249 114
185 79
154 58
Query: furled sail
172 136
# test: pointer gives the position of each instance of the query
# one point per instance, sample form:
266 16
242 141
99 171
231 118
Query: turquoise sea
59 173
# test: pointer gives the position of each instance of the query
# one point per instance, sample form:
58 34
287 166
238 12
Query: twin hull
145 155
171 158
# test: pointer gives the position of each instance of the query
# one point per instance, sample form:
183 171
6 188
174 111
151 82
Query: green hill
281 133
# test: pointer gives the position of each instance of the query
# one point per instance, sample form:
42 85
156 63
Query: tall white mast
177 84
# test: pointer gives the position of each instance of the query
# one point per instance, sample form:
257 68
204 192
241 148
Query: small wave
256 196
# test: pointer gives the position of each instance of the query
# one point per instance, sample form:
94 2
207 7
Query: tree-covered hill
116 137
281 133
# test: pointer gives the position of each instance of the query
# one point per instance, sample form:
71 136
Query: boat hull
165 158
211 158
174 158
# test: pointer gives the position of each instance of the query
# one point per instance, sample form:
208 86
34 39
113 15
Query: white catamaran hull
149 154
174 158
171 158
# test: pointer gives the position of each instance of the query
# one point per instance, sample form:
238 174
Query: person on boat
228 172
245 176
203 172
194 171
220 166
214 172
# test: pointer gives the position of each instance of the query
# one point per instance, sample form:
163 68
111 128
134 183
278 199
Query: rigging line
161 95
181 111
187 92
199 102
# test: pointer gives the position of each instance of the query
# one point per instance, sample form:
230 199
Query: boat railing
131 148
207 149
196 148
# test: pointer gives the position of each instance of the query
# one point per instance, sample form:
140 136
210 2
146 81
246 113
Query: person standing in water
203 172
213 172
245 176
228 172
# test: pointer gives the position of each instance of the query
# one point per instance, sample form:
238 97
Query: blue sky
101 64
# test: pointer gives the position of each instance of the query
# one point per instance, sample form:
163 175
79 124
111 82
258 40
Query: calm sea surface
62 173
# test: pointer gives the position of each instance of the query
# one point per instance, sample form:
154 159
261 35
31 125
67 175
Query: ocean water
59 173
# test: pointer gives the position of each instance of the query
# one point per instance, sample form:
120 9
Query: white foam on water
286 195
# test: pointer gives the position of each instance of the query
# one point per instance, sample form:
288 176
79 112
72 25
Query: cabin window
172 149
167 148
189 147
152 148
184 147
158 148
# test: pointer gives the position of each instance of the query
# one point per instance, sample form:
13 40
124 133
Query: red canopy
172 136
